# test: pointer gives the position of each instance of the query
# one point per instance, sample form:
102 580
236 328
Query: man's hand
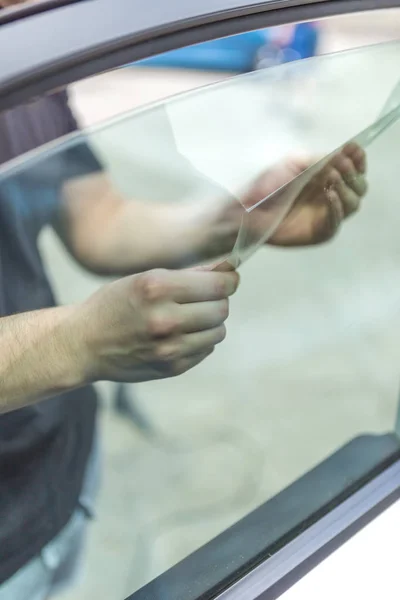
307 211
319 207
154 325
148 326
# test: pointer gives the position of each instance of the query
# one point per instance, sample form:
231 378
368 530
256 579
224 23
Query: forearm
140 237
110 235
40 356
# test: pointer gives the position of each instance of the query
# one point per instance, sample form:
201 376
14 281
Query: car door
249 472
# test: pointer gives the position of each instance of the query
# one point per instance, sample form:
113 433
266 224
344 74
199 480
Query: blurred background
186 458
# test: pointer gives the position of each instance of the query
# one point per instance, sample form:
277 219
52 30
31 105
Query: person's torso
43 448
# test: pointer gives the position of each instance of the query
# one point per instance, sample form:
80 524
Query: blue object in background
305 40
303 44
237 53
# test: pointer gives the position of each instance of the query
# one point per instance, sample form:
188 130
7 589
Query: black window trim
22 11
272 578
344 491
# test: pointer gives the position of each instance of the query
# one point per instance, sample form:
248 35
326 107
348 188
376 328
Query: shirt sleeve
43 175
76 158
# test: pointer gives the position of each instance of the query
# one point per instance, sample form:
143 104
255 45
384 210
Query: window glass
304 390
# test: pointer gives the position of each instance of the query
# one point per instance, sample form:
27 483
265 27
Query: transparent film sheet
213 154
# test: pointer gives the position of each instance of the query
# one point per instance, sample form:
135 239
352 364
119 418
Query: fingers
202 286
351 175
357 155
181 304
187 363
203 315
349 199
186 286
335 213
329 192
174 349
346 177
170 319
223 267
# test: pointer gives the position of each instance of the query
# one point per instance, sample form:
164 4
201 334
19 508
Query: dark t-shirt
43 448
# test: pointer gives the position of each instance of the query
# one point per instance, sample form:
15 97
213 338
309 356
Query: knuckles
162 325
151 286
167 353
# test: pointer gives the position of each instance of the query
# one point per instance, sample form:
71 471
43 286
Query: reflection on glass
311 360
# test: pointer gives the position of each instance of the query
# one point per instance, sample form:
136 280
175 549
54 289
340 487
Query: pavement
312 356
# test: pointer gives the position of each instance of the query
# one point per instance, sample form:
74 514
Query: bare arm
149 326
110 235
41 354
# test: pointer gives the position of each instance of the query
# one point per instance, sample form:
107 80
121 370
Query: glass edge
29 159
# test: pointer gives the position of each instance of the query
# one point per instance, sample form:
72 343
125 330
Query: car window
298 408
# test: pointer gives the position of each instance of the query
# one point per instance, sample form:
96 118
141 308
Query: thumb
222 267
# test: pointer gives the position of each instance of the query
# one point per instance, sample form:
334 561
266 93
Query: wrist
72 338
208 229
182 227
